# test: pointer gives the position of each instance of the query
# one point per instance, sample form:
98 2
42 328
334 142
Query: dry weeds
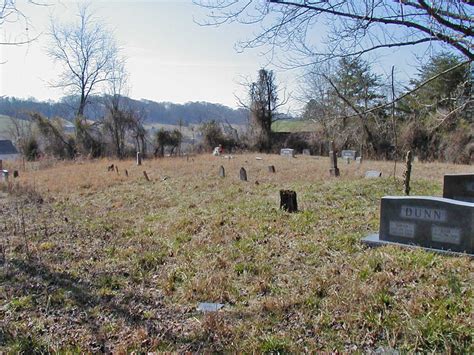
106 262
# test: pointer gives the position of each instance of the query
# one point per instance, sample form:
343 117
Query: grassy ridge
114 263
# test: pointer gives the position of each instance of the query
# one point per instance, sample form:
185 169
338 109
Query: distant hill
155 112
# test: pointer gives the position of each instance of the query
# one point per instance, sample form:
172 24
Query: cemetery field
92 260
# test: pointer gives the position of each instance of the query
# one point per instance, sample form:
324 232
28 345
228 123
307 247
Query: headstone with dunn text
434 223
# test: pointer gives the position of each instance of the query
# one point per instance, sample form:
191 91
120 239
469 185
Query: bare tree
87 52
264 103
118 119
11 13
355 26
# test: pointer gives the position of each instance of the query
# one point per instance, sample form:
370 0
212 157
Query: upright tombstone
306 152
349 154
139 158
459 187
287 152
15 174
334 170
359 160
221 171
271 168
435 223
243 174
288 201
4 175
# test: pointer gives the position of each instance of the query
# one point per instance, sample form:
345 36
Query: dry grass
119 264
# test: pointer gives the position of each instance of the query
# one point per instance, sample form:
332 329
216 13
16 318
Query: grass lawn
92 260
293 126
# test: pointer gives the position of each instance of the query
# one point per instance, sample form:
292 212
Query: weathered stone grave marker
243 174
435 223
15 174
349 154
271 169
288 201
287 152
1 165
221 171
371 174
459 187
359 160
306 152
334 170
139 158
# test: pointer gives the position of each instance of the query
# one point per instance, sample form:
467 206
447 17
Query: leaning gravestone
221 172
287 152
349 154
371 174
459 187
243 174
436 223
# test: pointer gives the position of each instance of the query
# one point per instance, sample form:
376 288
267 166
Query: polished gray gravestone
349 154
287 152
459 187
435 223
371 174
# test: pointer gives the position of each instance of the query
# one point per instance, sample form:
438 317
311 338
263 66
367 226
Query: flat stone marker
306 152
271 169
459 187
371 174
349 154
221 171
287 152
243 174
209 307
435 223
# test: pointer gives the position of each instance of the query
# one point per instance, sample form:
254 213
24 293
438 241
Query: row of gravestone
345 154
443 224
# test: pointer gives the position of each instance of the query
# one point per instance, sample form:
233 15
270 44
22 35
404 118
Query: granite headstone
459 187
349 154
287 152
436 223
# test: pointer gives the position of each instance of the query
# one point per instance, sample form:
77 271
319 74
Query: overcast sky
170 57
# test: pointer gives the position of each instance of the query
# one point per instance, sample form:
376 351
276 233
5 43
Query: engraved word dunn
423 213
